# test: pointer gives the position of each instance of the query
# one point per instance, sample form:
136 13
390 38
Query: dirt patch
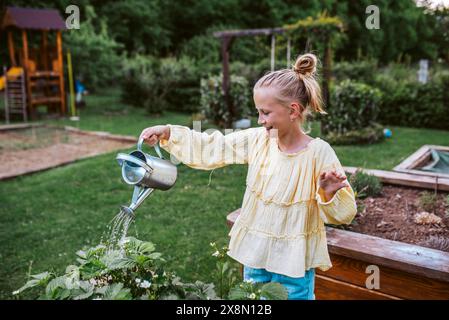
35 149
397 214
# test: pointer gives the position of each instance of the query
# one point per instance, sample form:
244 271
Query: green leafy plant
258 291
365 185
226 273
230 288
134 270
427 201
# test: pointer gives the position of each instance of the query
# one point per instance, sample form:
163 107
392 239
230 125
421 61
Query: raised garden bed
30 148
399 214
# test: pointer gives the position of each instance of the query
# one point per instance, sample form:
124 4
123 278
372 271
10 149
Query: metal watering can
146 173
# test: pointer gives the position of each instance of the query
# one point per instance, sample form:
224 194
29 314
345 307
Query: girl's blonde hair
296 84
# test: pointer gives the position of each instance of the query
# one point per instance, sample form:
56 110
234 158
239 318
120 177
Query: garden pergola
227 37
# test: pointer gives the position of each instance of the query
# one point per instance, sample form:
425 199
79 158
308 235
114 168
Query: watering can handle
156 147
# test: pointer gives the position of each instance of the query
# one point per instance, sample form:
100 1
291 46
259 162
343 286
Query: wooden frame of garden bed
407 179
406 271
419 159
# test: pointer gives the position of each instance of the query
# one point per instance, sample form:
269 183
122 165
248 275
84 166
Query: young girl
295 183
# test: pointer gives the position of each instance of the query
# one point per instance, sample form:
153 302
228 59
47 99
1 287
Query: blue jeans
298 288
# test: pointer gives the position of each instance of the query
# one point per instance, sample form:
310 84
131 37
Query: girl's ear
296 107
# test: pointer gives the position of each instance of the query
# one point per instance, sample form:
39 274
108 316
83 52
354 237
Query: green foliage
132 271
161 84
410 103
138 25
258 291
354 106
369 135
213 104
317 33
225 272
93 51
365 185
361 71
427 201
353 113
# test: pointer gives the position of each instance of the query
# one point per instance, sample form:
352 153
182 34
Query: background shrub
213 104
412 104
361 71
161 84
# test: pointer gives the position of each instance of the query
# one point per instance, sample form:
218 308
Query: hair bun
306 64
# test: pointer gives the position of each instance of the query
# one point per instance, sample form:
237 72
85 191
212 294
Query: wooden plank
20 126
405 179
44 51
413 158
331 289
45 100
44 74
402 256
248 32
12 54
391 281
100 134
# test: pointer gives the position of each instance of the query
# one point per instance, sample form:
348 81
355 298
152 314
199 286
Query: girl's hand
331 182
152 135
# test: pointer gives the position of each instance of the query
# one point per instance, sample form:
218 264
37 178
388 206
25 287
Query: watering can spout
139 195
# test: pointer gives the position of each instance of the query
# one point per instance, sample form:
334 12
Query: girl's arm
200 150
335 196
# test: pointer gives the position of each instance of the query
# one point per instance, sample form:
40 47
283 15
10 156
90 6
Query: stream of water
118 230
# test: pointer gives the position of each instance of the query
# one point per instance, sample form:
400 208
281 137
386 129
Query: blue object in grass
387 133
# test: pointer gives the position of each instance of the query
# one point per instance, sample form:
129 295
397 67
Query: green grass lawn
46 217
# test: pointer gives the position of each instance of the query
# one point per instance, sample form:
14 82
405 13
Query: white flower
212 244
216 253
250 280
145 284
252 296
138 280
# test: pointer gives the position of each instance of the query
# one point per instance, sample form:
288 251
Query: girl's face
272 115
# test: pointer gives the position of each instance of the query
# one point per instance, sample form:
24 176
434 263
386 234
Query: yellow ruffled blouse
281 223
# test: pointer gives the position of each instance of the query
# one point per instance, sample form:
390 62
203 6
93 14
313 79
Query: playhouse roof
27 18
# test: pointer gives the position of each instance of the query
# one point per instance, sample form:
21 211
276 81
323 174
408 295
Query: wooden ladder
15 96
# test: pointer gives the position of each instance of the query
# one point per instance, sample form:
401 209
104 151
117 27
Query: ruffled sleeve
342 208
200 150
